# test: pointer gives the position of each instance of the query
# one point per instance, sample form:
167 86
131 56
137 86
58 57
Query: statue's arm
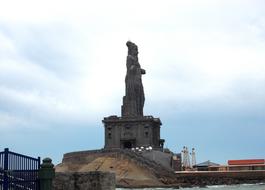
143 71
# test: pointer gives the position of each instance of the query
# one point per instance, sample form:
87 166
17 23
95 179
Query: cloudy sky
62 69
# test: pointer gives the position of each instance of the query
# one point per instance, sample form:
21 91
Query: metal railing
18 171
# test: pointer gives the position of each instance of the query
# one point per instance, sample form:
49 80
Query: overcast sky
62 69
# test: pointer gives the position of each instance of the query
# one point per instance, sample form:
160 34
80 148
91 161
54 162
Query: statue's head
132 48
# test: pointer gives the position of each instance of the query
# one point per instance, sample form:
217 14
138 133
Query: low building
241 165
204 166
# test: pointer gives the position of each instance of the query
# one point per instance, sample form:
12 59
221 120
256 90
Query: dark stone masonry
133 129
84 180
220 178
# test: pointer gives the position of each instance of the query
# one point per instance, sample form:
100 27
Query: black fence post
46 174
5 185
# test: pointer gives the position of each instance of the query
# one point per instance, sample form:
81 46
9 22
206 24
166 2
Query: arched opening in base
127 144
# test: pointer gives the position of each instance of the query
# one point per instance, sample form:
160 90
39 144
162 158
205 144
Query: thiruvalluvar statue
133 101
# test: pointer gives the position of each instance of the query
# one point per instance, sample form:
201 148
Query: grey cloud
51 46
43 65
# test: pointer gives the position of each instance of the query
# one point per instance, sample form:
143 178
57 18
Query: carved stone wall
129 133
83 181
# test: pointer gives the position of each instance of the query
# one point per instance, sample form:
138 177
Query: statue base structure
132 132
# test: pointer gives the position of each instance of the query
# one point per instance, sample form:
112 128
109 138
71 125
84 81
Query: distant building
241 165
204 166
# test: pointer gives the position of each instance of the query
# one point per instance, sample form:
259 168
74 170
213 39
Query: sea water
215 187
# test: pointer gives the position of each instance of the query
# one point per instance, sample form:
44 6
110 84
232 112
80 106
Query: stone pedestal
46 174
132 132
95 180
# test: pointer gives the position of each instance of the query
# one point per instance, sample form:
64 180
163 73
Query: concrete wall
220 178
159 157
84 181
236 168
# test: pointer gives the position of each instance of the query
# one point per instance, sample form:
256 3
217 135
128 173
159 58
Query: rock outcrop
131 168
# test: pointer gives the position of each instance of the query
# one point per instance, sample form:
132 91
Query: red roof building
246 162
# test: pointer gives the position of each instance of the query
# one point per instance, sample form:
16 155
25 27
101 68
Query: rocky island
134 151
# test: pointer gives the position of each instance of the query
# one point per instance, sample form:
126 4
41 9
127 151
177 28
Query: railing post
46 174
5 185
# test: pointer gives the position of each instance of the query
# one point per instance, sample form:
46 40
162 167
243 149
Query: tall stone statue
133 129
133 101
